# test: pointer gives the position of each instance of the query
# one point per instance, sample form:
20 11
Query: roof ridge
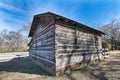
78 23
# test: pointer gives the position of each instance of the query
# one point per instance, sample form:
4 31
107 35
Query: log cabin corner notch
58 43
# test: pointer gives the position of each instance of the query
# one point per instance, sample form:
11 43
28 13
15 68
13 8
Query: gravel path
4 56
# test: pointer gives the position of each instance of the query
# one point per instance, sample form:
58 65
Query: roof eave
47 13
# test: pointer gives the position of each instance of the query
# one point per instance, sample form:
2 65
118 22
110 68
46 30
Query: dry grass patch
24 69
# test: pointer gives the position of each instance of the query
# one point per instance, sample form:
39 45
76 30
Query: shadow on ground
107 69
104 70
23 65
89 71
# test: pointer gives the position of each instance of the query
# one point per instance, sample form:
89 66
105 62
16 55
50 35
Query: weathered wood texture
58 43
42 48
75 45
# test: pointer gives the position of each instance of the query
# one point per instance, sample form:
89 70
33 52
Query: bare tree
11 41
112 31
1 42
25 29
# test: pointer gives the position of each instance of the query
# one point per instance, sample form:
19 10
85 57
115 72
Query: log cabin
59 44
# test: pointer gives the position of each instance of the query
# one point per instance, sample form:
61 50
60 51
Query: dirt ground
23 69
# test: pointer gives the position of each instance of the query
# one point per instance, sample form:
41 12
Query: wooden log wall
75 45
42 50
56 45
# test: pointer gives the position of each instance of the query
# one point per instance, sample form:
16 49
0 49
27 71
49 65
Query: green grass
24 69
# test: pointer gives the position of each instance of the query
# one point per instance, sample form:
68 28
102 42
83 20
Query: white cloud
10 7
53 7
6 17
36 8
5 24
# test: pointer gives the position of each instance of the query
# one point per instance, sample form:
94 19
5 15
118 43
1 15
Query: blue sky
15 13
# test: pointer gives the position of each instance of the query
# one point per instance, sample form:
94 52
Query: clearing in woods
23 69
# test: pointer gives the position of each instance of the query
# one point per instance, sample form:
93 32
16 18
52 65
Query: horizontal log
70 46
99 51
81 48
65 37
47 47
43 55
72 42
42 30
44 48
74 51
45 28
43 52
46 44
60 56
43 60
52 39
60 41
59 27
92 48
45 36
65 33
47 57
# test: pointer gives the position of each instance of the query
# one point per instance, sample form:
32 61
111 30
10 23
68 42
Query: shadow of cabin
22 65
88 69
